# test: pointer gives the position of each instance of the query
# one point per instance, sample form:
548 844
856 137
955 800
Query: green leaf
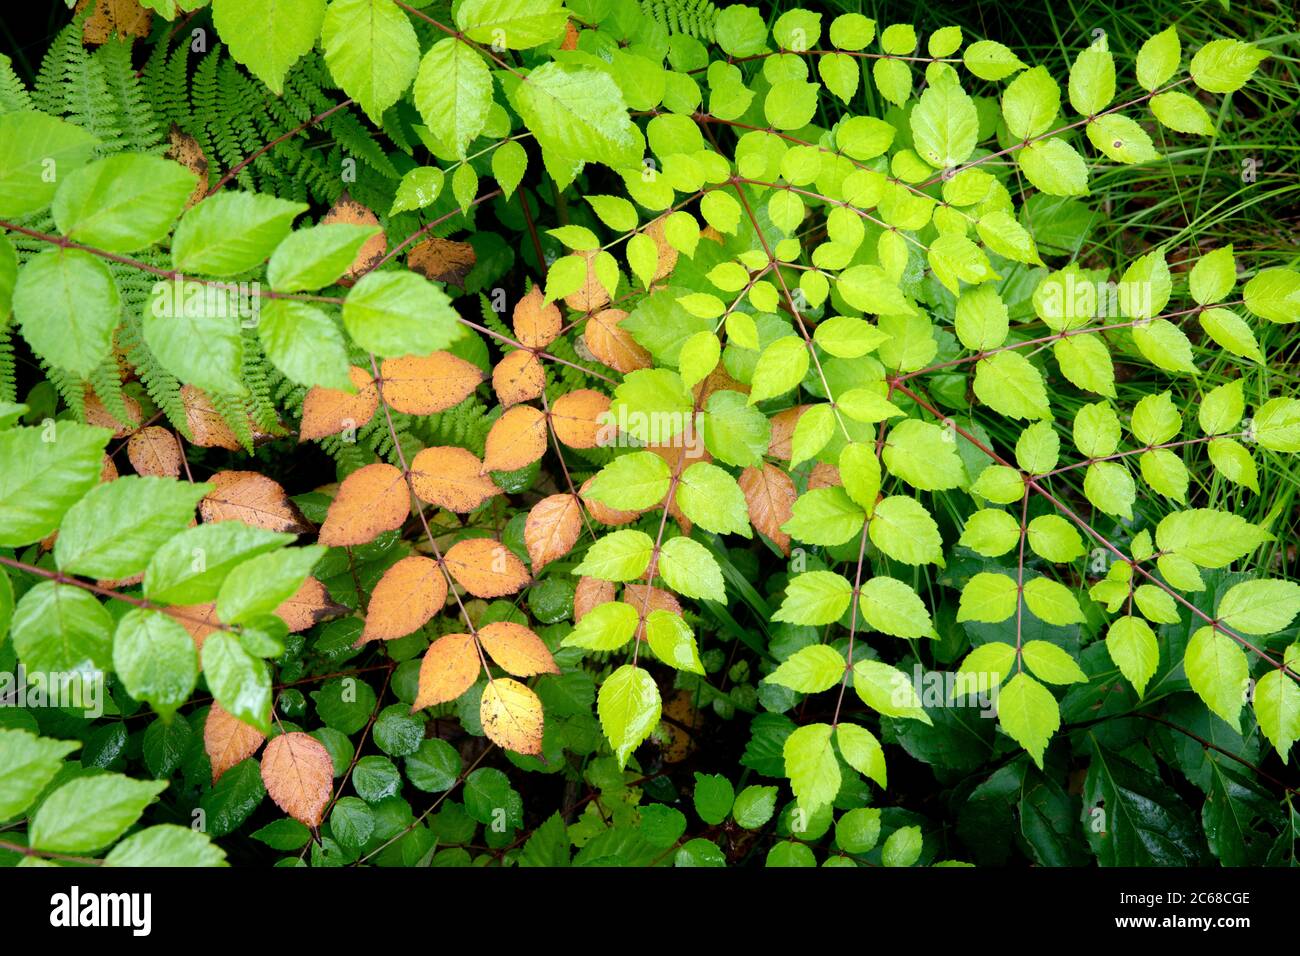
67 306
453 91
815 598
652 405
30 763
999 484
182 313
687 567
865 405
988 597
869 288
606 627
1234 462
1277 707
924 455
1092 81
515 24
190 567
1132 646
122 203
155 659
1009 384
91 812
780 368
903 529
847 337
944 124
166 845
1086 362
62 629
1004 235
1221 408
810 669
1158 58
955 259
735 432
711 498
862 751
232 232
1052 664
825 516
509 161
1028 713
1121 139
1054 538
852 31
671 639
902 847
258 586
811 766
1145 824
1227 329
1156 419
32 145
1274 294
399 313
1277 424
990 60
1222 66
304 343
631 482
619 556
699 356
841 74
1219 673
1030 103
984 668
371 50
1212 539
1109 486
860 474
579 112
1213 276
754 806
1054 166
894 608
887 690
1260 607
1052 602
1038 448
790 104
268 36
893 80
315 257
628 706
1182 113
990 532
238 680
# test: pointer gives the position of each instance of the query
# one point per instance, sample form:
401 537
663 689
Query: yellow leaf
512 716
448 669
371 500
410 592
517 649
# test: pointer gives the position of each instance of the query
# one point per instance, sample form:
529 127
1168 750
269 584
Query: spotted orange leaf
577 417
299 776
154 450
449 668
348 210
590 592
551 529
517 649
425 384
206 426
536 325
516 439
511 715
371 500
486 568
769 496
328 411
612 344
252 498
228 740
519 377
451 478
310 604
410 592
591 295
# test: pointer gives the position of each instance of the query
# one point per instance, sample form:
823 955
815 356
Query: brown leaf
97 414
410 592
517 649
577 417
349 210
603 512
123 18
486 568
823 475
511 715
552 529
591 295
646 598
371 500
449 668
590 592
612 344
536 325
252 498
451 478
107 470
519 377
328 411
667 254
683 723
769 495
570 41
199 620
228 740
516 439
154 450
185 149
442 260
425 384
778 446
207 428
309 605
299 776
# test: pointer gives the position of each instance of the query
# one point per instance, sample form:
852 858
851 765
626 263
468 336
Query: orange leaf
410 592
97 414
228 740
511 715
778 446
371 500
667 254
590 592
769 495
603 512
449 668
207 428
199 620
536 325
309 605
451 478
185 149
552 529
121 18
442 260
577 417
516 439
646 598
823 475
252 498
519 377
299 776
612 344
347 209
425 384
328 411
154 451
591 295
486 568
517 649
